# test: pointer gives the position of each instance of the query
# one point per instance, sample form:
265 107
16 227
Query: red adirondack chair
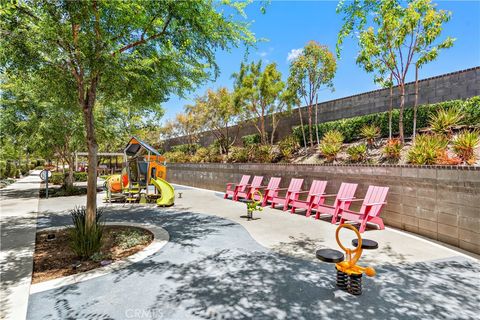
290 195
233 188
370 211
247 193
346 191
270 191
315 196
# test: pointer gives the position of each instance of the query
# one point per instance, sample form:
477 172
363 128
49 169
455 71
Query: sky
288 25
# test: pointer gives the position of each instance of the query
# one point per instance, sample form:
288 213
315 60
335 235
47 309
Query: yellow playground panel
142 178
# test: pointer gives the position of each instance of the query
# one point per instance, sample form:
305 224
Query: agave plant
427 148
392 149
331 144
444 120
357 152
370 133
464 145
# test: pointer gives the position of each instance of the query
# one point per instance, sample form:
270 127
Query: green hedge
251 139
56 178
80 176
351 127
186 148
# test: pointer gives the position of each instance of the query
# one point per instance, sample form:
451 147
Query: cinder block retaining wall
439 202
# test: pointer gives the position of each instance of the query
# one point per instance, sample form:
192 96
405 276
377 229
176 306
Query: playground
218 264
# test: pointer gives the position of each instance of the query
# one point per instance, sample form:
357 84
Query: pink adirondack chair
290 195
370 211
270 191
346 191
233 188
247 193
315 196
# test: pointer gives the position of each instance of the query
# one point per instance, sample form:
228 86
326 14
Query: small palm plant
464 145
370 133
444 120
331 144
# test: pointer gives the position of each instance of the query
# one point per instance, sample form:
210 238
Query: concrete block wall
438 202
457 85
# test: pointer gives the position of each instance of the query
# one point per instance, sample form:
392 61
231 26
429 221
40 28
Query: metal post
46 184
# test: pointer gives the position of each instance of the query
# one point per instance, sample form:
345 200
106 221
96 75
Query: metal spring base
355 284
342 280
350 283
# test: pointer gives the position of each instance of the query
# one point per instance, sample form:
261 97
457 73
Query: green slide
166 190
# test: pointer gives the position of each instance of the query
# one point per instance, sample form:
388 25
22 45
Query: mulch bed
55 259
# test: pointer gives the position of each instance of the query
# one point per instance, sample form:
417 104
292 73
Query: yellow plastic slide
166 191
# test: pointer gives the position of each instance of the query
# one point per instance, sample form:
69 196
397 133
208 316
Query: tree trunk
301 126
316 119
310 125
262 129
390 109
415 105
69 180
92 165
400 115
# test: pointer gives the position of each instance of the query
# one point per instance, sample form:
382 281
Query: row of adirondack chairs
289 198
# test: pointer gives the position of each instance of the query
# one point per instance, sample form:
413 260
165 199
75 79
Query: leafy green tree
110 50
313 68
259 93
397 35
217 113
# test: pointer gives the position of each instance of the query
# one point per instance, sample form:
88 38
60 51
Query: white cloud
263 54
294 53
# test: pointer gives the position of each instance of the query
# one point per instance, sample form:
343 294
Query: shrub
57 178
370 133
288 146
357 152
186 148
251 139
201 155
18 174
176 156
331 144
10 169
238 154
80 176
351 127
427 148
3 167
85 242
464 145
40 163
131 238
24 169
261 153
392 149
444 120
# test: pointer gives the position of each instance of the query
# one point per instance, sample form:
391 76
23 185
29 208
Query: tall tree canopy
392 36
141 51
314 67
260 93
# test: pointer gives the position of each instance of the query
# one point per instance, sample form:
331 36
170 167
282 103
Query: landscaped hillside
448 134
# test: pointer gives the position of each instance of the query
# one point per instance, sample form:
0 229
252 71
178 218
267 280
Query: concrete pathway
219 266
18 213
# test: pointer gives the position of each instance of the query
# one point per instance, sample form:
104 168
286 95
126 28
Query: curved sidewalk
18 213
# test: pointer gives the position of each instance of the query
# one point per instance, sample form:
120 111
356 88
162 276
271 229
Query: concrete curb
161 237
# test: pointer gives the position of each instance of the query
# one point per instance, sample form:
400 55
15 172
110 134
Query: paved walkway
18 213
219 266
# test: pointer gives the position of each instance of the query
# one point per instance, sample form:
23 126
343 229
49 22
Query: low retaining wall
439 202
